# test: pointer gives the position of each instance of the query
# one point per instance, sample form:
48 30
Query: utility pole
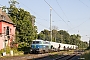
50 24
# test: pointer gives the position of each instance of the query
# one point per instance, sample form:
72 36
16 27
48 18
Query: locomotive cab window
46 42
36 42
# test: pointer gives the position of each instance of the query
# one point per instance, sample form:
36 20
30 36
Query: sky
72 16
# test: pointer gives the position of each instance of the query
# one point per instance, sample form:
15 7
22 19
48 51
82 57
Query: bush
24 47
88 48
1 51
86 55
8 49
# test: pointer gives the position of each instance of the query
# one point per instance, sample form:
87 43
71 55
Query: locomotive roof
38 40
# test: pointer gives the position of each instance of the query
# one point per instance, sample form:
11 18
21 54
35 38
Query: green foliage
8 49
88 48
86 55
1 51
63 37
23 47
44 35
25 29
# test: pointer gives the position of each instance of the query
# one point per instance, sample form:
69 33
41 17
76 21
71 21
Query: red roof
4 17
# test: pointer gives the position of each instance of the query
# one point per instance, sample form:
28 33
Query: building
7 30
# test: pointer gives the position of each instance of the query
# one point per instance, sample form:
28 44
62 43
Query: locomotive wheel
43 51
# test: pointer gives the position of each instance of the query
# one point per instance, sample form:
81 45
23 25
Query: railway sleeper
66 57
60 57
70 57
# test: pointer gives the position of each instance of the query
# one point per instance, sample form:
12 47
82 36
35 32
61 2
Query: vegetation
63 37
26 31
86 55
8 49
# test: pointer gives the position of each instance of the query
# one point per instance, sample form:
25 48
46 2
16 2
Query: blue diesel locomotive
40 46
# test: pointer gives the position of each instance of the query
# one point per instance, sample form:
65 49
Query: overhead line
41 19
1 5
35 21
33 11
42 25
28 7
79 24
84 3
61 9
36 14
66 16
57 13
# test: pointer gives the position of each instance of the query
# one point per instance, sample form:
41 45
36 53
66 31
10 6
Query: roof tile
4 17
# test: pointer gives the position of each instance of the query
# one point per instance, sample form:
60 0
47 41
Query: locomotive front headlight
31 50
38 47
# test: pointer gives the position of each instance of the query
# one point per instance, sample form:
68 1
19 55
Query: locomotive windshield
36 42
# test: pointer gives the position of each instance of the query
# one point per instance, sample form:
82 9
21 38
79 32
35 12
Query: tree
25 29
13 3
44 35
65 37
54 33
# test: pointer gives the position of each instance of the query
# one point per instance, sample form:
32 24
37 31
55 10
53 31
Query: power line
1 5
37 18
28 8
41 19
39 15
61 9
79 25
66 16
57 13
83 21
33 11
42 25
35 21
84 3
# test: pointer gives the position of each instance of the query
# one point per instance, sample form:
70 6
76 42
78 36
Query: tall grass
86 55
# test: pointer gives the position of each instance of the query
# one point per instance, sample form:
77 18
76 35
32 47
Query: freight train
41 46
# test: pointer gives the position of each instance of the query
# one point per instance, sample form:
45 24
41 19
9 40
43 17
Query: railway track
73 56
46 56
25 57
66 57
61 57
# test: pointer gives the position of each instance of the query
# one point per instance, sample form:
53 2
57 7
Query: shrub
86 55
24 47
8 49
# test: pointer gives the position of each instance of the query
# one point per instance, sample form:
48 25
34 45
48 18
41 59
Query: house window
7 30
3 17
10 30
4 30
